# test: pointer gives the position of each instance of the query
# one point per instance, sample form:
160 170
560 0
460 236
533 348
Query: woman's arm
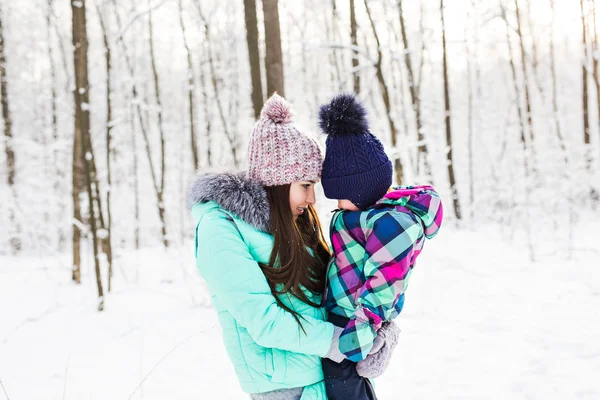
237 280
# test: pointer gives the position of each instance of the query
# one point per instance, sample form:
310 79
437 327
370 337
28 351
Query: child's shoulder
374 218
392 220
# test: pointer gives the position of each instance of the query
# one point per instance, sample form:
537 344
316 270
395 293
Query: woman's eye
306 186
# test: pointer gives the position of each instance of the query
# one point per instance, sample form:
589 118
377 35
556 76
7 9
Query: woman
260 248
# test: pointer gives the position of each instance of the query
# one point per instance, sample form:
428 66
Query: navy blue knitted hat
356 167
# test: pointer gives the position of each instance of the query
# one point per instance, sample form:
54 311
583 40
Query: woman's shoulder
215 224
233 194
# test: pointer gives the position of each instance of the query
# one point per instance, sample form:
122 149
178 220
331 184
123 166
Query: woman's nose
310 199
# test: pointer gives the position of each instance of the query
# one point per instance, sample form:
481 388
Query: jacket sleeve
236 279
387 265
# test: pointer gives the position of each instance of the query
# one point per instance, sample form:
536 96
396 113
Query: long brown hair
291 264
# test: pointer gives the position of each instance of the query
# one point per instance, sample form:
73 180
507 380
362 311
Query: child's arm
389 253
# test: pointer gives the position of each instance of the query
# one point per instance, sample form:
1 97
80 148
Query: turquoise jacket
268 349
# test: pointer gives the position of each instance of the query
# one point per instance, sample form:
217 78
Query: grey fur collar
234 192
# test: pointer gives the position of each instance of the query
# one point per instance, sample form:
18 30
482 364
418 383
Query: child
376 237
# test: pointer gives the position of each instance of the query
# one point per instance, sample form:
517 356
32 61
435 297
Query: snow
480 322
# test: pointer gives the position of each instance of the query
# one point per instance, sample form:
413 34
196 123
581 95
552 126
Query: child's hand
380 355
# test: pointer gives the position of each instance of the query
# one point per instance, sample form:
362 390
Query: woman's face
302 194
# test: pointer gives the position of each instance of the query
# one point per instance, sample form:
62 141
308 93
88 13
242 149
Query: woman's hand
334 352
380 355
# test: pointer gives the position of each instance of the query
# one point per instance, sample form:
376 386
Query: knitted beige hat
278 153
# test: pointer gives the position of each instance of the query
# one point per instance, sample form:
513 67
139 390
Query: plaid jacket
374 252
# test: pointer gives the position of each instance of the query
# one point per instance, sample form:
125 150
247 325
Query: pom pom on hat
344 115
277 110
356 167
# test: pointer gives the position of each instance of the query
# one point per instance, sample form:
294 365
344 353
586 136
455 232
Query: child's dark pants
341 380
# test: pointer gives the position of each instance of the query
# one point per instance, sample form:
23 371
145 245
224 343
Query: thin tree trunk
331 52
181 189
513 70
191 88
523 135
63 53
231 136
534 55
53 100
207 116
555 111
525 83
136 181
82 121
450 161
419 77
234 77
273 56
399 88
134 111
470 123
422 155
333 58
584 72
160 186
78 185
596 69
59 176
107 241
386 100
153 175
14 240
353 36
253 55
92 175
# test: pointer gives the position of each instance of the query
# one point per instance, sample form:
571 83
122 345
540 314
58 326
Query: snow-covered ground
480 322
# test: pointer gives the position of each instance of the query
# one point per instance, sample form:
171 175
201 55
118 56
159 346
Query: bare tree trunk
159 186
59 176
523 134
253 55
333 58
534 55
273 57
584 71
525 84
207 116
136 182
107 240
63 51
513 71
386 100
78 186
353 36
229 134
555 111
422 155
470 123
191 88
134 110
450 161
155 181
82 121
15 241
596 49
